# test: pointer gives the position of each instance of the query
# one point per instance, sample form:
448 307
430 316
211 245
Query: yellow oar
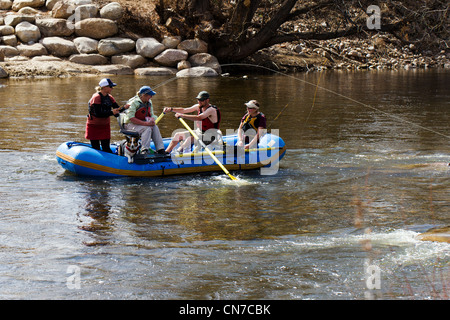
159 118
209 151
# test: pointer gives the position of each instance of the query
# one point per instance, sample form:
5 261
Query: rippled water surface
365 172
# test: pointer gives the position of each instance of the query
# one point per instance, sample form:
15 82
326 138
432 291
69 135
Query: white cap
106 83
252 104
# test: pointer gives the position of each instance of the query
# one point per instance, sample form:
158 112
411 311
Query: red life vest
144 110
207 123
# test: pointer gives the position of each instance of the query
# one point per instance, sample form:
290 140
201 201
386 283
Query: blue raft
82 159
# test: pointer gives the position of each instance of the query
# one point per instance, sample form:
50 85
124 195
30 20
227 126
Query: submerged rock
436 234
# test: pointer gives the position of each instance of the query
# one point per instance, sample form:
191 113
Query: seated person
141 118
252 126
207 122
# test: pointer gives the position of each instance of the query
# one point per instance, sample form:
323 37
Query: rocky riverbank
73 37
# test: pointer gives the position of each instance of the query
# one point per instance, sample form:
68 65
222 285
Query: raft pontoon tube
82 159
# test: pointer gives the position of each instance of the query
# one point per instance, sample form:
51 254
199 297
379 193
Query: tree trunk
199 8
239 49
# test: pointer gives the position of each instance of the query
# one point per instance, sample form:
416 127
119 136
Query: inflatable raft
82 159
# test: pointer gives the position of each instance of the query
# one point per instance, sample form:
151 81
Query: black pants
105 145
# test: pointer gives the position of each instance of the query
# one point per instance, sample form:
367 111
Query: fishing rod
387 114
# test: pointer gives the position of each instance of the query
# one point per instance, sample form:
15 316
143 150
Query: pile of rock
80 32
380 51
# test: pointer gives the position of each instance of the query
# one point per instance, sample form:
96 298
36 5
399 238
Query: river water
365 172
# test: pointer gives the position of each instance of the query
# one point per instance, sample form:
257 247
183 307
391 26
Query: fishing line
278 115
165 82
314 99
340 95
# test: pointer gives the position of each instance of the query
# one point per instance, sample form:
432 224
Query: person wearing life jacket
252 127
207 122
140 118
102 105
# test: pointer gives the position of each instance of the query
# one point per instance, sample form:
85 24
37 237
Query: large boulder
197 72
86 45
9 51
115 46
10 40
63 9
86 11
53 27
27 32
90 59
19 4
28 10
193 46
155 71
149 47
51 3
14 19
59 47
205 60
96 28
131 60
171 42
5 4
171 57
113 11
6 30
114 69
33 50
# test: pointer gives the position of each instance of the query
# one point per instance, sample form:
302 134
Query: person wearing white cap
252 127
102 105
141 118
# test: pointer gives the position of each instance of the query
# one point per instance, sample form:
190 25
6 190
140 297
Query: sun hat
146 90
252 104
106 83
203 95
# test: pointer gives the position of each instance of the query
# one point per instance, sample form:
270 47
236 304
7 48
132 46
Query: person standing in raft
102 105
252 127
207 119
141 118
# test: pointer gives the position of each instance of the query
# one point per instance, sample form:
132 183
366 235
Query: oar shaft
159 118
207 150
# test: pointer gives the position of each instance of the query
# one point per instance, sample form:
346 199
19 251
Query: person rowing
207 122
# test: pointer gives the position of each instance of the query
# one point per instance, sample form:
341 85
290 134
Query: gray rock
33 50
149 47
131 60
86 45
96 28
171 57
197 72
27 32
155 71
59 47
54 27
114 69
115 46
89 59
205 60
